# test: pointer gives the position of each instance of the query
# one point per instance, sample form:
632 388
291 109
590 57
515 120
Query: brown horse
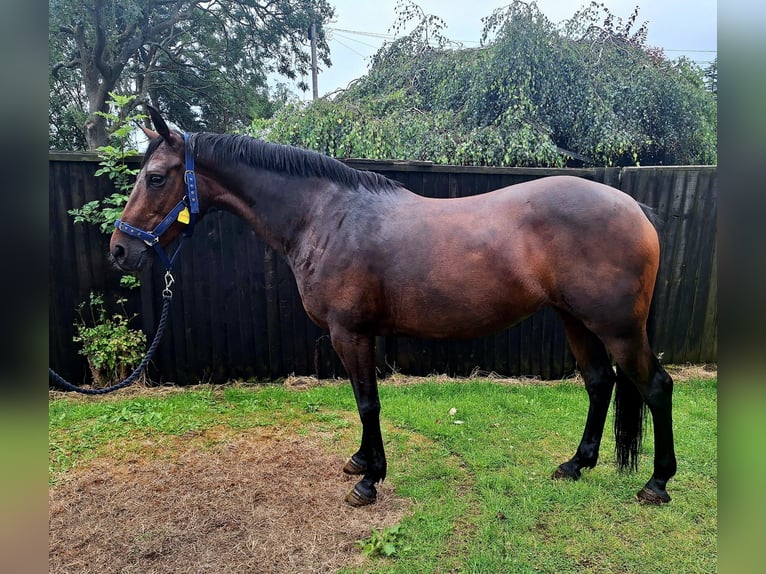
372 258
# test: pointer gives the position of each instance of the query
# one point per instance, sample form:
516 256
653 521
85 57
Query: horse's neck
276 206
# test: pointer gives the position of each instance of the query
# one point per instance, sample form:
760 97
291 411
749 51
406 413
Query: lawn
472 460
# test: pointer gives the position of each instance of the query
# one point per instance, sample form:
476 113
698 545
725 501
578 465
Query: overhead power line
349 47
344 36
391 37
343 33
360 33
700 51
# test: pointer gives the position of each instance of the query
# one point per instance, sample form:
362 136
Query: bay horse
372 258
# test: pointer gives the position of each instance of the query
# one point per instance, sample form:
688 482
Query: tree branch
100 45
68 65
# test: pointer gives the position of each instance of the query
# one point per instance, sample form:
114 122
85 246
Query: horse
372 258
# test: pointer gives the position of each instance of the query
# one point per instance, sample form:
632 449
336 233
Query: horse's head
154 214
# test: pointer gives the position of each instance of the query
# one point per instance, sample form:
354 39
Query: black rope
66 385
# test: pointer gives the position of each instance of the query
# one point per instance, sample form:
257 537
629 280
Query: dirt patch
680 374
255 503
683 373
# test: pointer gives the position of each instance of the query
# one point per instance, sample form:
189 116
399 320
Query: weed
382 543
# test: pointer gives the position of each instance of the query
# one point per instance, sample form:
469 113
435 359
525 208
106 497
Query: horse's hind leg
595 366
635 358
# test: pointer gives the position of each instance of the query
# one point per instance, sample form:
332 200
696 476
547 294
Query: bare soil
256 502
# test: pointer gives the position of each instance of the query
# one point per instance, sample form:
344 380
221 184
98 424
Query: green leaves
114 158
206 64
101 212
382 543
114 164
111 347
591 86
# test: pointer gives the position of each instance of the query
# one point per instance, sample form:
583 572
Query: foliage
533 94
111 347
711 76
101 212
205 64
114 158
114 164
130 281
67 112
381 543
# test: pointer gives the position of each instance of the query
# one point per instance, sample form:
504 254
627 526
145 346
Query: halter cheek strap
185 211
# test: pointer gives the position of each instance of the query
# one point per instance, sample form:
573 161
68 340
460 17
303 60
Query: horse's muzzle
128 254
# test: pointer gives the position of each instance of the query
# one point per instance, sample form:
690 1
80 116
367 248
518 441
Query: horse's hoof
355 467
356 498
647 496
562 473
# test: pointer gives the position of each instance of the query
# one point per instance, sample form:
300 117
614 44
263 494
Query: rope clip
169 280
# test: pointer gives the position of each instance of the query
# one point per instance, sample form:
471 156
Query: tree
711 76
533 94
204 62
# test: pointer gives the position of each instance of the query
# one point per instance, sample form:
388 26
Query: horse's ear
151 134
159 124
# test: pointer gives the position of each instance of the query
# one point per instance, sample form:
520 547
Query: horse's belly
464 313
456 328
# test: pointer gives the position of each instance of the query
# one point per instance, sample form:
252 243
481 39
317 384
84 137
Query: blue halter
185 211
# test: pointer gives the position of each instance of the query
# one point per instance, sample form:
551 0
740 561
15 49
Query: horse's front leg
357 352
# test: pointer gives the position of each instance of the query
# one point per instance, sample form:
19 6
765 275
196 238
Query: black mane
225 148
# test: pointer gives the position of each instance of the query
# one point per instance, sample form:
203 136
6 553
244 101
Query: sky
680 27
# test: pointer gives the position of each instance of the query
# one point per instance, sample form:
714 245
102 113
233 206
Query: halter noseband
185 211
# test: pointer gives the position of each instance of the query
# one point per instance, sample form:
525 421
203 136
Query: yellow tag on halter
184 216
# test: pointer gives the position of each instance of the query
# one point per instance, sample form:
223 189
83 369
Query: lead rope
167 296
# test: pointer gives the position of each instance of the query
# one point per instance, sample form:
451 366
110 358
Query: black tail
629 406
652 216
629 412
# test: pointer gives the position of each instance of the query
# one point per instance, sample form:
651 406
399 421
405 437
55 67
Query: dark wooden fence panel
77 262
684 317
237 312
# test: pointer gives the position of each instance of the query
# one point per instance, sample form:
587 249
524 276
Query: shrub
112 348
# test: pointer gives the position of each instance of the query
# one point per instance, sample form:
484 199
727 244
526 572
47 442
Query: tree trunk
97 88
96 134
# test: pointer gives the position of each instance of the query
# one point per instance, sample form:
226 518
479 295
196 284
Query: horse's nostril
118 252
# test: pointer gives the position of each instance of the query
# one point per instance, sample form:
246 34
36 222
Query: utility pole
314 73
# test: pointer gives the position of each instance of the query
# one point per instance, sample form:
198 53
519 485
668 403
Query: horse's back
468 266
554 222
576 244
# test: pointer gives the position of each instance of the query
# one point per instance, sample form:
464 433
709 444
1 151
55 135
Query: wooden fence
236 311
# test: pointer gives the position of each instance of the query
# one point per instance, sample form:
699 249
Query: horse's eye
156 180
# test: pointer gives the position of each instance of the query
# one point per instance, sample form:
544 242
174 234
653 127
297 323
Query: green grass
483 500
